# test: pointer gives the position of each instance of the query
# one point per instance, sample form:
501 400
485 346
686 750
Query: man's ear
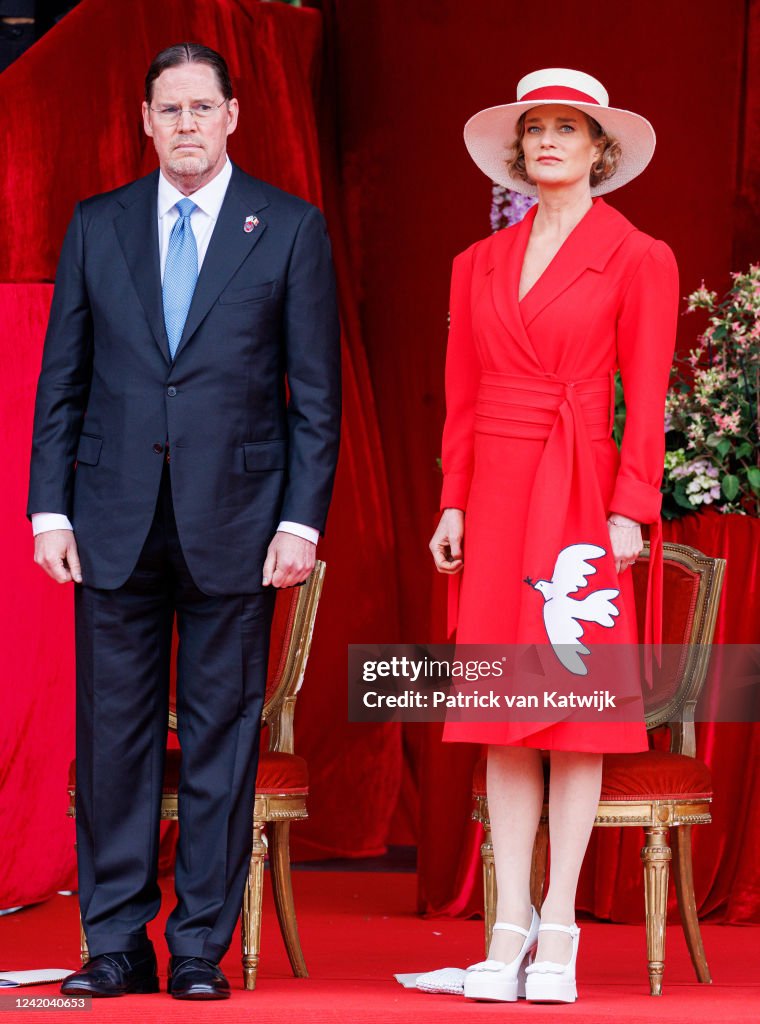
146 119
233 112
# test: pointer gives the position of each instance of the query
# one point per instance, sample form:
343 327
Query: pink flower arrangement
711 415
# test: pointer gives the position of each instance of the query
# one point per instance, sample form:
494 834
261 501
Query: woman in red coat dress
535 491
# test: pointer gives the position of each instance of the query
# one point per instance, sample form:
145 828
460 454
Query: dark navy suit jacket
246 450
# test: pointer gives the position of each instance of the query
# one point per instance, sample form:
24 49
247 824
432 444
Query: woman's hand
625 540
446 543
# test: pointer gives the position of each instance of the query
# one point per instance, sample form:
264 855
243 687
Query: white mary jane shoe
550 982
496 981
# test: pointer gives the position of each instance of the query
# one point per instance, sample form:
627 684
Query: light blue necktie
180 274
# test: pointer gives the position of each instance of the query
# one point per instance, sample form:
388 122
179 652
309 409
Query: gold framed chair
658 790
282 782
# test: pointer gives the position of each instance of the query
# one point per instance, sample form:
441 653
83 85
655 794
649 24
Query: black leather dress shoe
192 977
114 974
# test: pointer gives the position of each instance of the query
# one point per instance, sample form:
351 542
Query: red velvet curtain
411 75
71 128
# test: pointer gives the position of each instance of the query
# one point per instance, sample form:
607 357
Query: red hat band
558 92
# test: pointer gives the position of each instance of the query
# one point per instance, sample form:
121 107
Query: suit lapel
590 244
137 230
230 244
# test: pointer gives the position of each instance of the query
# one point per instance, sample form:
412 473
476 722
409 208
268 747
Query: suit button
571 383
158 448
171 392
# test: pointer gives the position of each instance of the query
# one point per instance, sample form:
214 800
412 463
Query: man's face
192 149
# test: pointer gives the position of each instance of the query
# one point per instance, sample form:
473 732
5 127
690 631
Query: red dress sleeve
646 333
462 381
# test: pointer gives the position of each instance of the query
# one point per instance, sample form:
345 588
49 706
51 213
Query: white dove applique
561 613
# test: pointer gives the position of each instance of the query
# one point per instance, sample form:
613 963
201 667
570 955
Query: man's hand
289 560
56 551
446 543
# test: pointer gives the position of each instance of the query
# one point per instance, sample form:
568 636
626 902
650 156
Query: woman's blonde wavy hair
602 169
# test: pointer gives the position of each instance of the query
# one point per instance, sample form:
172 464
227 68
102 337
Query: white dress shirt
208 201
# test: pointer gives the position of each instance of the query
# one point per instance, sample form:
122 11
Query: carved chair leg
684 879
489 885
84 952
279 866
250 925
656 857
538 865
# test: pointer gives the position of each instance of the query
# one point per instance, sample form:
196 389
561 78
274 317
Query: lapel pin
251 222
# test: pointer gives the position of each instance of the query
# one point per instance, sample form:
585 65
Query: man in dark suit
175 473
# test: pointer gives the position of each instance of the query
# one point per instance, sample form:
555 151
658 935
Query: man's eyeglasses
198 111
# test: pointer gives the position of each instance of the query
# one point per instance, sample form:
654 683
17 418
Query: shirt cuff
42 522
299 530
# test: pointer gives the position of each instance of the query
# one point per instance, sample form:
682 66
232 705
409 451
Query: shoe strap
567 929
502 926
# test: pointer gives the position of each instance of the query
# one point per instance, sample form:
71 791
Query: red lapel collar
589 245
507 253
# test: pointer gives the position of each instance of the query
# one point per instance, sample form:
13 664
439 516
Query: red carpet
358 929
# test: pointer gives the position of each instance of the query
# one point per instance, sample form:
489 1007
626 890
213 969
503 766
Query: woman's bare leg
574 788
515 797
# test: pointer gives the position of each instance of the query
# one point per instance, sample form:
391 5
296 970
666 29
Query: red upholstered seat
654 775
282 773
650 775
278 773
479 778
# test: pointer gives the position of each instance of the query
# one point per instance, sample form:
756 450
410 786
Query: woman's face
559 151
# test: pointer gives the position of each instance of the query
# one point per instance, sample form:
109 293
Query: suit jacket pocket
263 456
88 451
252 293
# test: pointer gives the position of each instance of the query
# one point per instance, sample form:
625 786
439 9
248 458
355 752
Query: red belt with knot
527 407
565 502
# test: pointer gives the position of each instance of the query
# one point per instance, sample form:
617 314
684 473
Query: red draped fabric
72 127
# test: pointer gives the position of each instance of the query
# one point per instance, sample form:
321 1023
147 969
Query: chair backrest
295 612
692 584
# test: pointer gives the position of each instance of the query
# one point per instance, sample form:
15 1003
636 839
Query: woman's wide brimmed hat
489 134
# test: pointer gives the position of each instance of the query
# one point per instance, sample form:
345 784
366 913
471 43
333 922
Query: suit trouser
124 641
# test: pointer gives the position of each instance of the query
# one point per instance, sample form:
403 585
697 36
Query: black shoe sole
141 988
198 996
